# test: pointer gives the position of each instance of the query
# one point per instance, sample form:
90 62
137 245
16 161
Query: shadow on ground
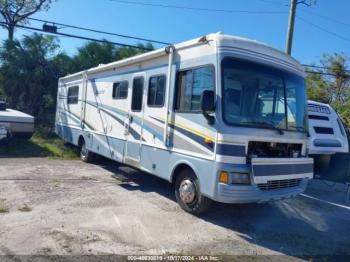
18 147
37 147
297 227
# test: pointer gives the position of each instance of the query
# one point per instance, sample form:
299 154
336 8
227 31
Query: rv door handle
131 119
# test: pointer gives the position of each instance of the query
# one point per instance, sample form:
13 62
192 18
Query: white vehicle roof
251 48
11 115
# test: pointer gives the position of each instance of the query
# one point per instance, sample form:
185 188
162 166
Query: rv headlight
223 177
240 178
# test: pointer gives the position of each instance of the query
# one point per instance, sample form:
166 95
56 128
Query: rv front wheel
188 194
85 154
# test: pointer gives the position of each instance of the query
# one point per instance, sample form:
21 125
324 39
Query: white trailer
15 122
223 118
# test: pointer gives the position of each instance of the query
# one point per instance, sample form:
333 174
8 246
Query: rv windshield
261 96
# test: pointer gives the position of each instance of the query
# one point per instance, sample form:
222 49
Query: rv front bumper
270 179
228 193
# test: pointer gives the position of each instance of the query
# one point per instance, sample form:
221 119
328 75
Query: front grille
279 184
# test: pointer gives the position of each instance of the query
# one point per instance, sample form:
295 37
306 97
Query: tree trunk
11 32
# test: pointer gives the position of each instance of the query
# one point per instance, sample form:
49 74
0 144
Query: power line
325 17
134 46
322 67
273 2
197 8
78 37
309 12
322 73
324 30
99 31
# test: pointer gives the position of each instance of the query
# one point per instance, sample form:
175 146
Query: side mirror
208 105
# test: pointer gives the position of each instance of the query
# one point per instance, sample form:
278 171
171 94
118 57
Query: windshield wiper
298 127
267 124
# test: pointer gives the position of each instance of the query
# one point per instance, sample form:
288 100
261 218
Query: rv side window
156 91
191 84
73 95
120 90
137 93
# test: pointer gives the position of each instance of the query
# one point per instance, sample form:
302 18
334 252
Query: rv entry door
134 122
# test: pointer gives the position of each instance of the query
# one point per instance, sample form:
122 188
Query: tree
317 88
16 12
332 85
92 54
29 73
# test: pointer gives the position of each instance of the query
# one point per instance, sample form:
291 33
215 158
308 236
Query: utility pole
293 7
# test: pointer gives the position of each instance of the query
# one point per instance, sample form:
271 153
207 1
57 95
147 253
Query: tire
322 162
85 155
194 203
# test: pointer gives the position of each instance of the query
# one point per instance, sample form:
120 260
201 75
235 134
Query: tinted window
191 84
73 95
120 90
262 96
137 92
156 91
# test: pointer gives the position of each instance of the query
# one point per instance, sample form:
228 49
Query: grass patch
44 143
3 207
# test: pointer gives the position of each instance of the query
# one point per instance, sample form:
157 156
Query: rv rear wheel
188 194
85 155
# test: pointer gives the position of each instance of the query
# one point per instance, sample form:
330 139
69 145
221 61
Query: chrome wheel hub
83 151
187 191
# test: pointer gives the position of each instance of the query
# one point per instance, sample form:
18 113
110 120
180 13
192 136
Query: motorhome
327 133
16 123
221 117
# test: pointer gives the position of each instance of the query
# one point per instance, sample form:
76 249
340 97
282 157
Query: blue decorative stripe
71 116
132 131
277 170
189 134
194 137
230 150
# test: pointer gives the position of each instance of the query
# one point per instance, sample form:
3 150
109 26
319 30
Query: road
58 207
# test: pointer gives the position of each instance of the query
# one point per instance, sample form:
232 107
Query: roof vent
2 106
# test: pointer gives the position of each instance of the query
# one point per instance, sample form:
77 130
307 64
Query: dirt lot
68 207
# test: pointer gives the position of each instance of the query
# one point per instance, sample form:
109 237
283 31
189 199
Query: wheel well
178 170
81 140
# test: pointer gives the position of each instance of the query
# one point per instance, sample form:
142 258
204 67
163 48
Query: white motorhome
223 118
327 133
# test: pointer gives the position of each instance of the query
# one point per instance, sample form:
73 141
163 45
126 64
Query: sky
324 27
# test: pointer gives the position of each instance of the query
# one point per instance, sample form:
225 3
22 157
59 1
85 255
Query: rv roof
219 38
317 103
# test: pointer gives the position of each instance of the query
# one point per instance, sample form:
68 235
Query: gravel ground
56 207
